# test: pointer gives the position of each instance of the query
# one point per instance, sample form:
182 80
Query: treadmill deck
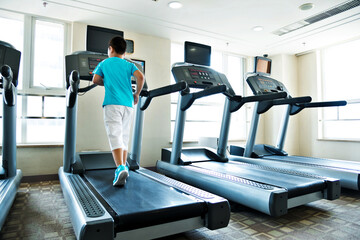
142 201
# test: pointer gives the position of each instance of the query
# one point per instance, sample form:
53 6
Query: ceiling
225 25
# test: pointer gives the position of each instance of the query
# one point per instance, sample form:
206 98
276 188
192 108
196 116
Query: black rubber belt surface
231 178
183 186
285 171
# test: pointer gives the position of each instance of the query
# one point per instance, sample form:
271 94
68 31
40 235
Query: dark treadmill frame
93 219
348 172
180 163
10 177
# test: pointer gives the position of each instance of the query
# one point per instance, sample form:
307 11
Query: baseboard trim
40 178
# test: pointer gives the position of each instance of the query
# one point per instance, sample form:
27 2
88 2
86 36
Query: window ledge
40 145
338 140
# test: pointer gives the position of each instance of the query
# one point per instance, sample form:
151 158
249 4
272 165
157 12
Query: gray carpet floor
40 212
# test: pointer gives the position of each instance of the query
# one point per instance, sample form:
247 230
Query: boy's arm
140 79
98 80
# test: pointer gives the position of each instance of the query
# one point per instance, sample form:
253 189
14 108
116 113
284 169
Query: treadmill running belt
143 201
318 162
295 185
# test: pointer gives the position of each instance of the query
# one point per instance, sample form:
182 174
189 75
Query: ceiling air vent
316 18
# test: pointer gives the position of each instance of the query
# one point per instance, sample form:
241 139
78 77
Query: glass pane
342 130
204 113
217 61
48 68
238 125
350 112
339 64
54 107
195 129
45 130
12 31
34 106
235 74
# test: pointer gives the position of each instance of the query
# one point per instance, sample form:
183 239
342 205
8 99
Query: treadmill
348 172
10 177
269 190
150 205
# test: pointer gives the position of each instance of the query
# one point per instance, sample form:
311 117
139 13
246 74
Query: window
205 115
48 68
340 81
41 90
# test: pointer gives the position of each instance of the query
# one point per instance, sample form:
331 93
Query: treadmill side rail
8 190
85 227
268 199
218 208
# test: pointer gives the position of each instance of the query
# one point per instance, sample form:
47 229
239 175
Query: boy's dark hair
118 44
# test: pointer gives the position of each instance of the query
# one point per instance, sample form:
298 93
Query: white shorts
117 121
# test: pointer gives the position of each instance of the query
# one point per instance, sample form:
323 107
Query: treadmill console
84 62
11 57
200 77
263 85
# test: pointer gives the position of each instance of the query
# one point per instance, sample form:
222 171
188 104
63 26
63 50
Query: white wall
308 136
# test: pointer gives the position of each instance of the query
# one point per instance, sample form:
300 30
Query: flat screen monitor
97 38
141 63
197 53
262 65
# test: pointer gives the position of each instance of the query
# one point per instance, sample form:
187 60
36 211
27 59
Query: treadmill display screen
93 62
200 74
197 53
262 65
266 85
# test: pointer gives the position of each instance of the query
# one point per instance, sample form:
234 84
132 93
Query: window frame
321 93
27 87
224 70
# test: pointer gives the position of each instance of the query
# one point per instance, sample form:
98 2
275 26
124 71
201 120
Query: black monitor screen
197 53
262 65
141 63
97 38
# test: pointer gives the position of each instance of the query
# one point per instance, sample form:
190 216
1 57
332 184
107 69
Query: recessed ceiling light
306 6
175 5
257 28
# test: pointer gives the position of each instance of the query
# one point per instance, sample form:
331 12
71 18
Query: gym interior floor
40 212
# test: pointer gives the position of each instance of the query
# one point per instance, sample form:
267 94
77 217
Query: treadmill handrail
295 109
266 105
191 97
149 95
73 89
8 85
238 101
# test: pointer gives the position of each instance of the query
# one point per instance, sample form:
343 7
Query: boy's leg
118 155
125 153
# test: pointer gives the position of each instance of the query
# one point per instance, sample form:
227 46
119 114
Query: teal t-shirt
116 73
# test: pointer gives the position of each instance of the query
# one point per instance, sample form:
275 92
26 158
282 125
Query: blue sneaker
127 169
120 176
